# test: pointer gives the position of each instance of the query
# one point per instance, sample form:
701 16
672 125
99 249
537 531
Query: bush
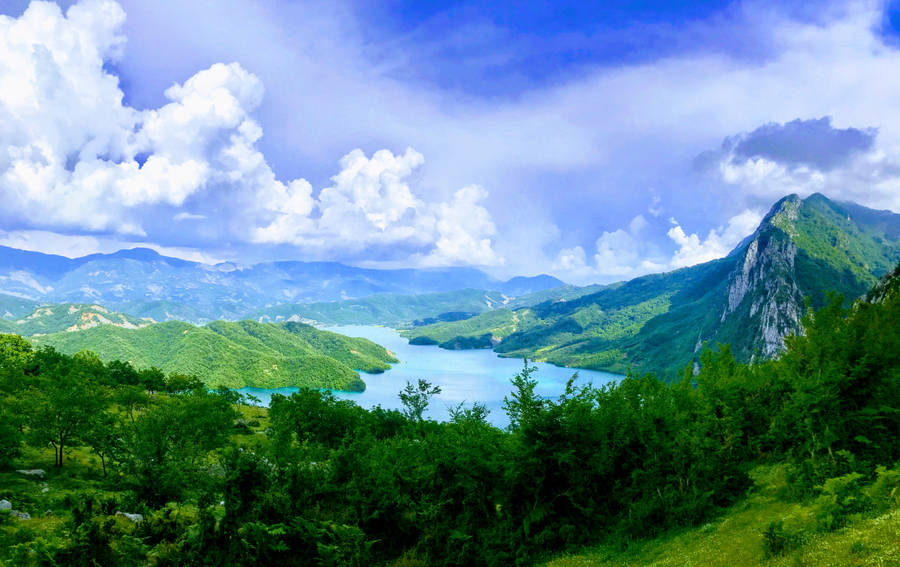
885 491
778 541
841 498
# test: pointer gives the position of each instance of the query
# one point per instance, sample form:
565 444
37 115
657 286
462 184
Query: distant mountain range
143 283
753 298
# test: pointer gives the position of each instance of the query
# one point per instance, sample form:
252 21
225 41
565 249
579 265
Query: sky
595 141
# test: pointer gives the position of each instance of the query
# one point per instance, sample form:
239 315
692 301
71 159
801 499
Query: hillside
12 307
751 299
144 283
235 355
71 317
412 310
385 309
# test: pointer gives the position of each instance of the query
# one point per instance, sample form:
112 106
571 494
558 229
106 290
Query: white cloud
872 179
73 156
692 249
464 228
371 203
77 245
620 254
184 215
624 254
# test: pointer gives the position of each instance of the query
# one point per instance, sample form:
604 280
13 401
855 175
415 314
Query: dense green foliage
658 323
235 355
334 484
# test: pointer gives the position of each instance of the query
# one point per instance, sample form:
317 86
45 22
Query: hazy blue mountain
751 299
412 310
147 284
12 307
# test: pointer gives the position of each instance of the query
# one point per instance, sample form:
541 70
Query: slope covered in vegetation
801 451
237 354
70 317
751 299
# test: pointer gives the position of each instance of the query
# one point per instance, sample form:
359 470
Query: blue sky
592 140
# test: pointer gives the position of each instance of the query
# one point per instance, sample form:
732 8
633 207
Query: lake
464 376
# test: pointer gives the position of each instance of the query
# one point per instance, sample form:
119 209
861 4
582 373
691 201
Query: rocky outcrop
886 287
39 473
763 290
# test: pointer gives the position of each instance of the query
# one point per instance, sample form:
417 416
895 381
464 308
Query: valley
682 411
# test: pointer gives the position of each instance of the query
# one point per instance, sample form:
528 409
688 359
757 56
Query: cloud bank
74 156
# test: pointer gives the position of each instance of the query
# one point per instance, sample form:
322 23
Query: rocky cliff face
765 301
888 286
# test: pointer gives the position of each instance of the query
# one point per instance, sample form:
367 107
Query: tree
523 403
167 442
416 398
64 398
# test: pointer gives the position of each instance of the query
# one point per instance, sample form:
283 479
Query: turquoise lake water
463 375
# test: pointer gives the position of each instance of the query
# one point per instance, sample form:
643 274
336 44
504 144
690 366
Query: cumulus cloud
627 253
73 156
620 254
464 229
692 249
371 202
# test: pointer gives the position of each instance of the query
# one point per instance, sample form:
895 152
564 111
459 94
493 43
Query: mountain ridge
144 283
750 299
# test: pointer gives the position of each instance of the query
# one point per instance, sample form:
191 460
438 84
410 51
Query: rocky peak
762 290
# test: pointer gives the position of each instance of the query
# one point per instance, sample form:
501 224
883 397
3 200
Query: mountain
12 307
410 310
145 283
887 286
70 317
750 299
244 353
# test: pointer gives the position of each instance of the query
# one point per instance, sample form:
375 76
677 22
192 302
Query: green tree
415 399
62 402
522 404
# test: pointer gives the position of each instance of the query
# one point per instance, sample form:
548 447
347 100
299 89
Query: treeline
334 484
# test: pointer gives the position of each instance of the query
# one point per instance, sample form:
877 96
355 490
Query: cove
464 376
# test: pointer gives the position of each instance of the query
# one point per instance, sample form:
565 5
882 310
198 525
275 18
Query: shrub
841 497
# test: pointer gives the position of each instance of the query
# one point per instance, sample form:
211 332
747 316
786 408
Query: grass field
736 538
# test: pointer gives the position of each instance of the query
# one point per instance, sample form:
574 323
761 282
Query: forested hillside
200 480
235 355
751 299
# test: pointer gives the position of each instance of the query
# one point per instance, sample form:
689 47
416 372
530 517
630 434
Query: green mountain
244 353
71 317
750 299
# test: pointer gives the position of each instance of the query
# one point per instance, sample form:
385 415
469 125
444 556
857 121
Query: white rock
133 517
32 472
5 505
